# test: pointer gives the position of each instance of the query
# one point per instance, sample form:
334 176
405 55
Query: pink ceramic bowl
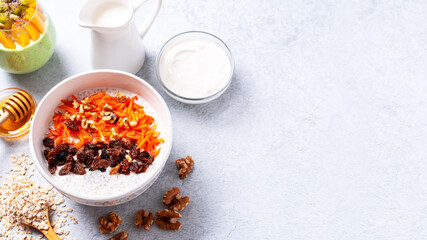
94 80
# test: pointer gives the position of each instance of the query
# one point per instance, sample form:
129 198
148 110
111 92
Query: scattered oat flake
24 201
73 219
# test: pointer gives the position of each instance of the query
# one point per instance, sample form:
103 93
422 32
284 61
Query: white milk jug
116 41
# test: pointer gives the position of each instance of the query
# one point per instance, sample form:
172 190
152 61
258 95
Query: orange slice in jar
32 31
41 15
35 20
20 35
6 40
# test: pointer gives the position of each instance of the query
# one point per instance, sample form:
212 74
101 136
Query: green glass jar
27 39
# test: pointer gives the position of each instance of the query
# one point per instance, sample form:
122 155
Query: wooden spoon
49 233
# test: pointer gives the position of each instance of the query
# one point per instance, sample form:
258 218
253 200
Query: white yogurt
195 68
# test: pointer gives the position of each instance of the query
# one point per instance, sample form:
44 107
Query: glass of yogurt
195 67
27 36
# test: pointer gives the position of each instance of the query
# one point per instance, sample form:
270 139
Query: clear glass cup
27 38
194 35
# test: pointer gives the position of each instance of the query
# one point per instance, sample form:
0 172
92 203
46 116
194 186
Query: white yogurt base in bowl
98 188
195 67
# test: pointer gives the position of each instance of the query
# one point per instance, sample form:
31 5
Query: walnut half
109 226
120 236
185 165
173 200
167 219
144 219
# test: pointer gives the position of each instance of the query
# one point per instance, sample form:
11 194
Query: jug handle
152 15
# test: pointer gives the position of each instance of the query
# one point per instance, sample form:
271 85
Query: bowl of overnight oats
101 137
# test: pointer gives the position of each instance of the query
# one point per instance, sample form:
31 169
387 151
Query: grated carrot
144 132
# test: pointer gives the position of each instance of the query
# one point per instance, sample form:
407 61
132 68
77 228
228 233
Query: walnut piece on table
185 165
120 236
109 226
167 219
174 200
144 219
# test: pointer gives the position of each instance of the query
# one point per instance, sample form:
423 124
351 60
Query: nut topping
107 108
144 219
120 236
109 226
167 219
115 169
76 104
173 200
185 165
121 97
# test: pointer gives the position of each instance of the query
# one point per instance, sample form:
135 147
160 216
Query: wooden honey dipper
16 107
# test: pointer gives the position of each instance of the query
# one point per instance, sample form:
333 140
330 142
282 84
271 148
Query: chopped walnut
125 122
173 200
74 117
144 219
120 236
115 169
91 124
110 117
109 226
83 123
121 97
128 158
167 219
185 165
76 104
107 108
114 135
89 106
133 123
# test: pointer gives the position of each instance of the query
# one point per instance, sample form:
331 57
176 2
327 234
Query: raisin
144 168
115 144
103 164
71 125
95 164
61 158
62 147
144 154
52 169
96 146
51 156
85 156
114 161
66 168
69 159
46 153
72 151
125 167
104 154
48 142
128 144
112 152
123 153
134 153
81 155
78 168
134 166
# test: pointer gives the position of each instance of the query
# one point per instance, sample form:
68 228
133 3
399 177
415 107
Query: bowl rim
112 197
190 100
